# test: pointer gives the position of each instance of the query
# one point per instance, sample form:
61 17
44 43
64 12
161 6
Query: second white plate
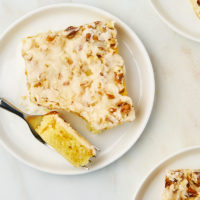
15 135
180 16
153 185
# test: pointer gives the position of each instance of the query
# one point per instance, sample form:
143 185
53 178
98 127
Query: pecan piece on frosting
119 77
50 38
72 34
88 36
125 107
191 192
110 96
72 31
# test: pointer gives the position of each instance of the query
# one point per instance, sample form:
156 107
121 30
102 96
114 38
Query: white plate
180 16
15 135
153 185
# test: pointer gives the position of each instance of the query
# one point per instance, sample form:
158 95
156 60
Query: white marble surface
174 123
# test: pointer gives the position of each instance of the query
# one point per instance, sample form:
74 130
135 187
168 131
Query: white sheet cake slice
79 70
182 184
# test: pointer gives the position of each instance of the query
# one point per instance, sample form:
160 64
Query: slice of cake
196 6
182 184
79 70
63 138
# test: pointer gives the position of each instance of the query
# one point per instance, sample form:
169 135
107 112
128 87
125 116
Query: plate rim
151 75
171 25
160 163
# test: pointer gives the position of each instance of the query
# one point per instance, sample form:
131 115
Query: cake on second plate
183 184
63 138
196 6
79 70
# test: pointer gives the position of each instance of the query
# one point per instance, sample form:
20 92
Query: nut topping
50 38
168 182
112 110
110 96
88 36
191 192
119 77
72 34
66 83
125 107
95 37
122 91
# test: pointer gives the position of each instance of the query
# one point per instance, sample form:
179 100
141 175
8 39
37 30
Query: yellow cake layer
65 140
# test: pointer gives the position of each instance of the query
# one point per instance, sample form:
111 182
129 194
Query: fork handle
9 107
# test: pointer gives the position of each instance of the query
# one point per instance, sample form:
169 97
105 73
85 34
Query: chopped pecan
66 83
38 84
108 120
198 2
125 107
191 192
72 34
90 26
69 61
45 99
100 93
101 48
98 55
167 182
112 110
112 46
57 104
97 22
119 77
122 91
95 37
50 38
196 179
197 173
101 73
86 84
110 96
88 36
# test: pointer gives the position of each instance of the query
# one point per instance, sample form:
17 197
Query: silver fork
11 108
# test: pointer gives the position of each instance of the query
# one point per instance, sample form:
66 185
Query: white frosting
78 74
